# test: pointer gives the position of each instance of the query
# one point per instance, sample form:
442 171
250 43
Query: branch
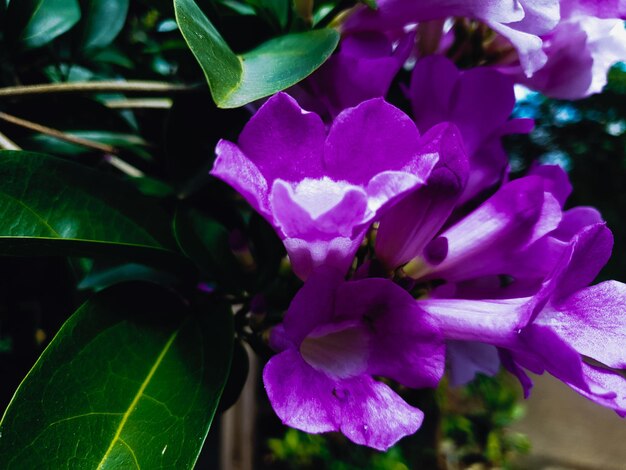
141 103
131 86
33 126
109 151
8 144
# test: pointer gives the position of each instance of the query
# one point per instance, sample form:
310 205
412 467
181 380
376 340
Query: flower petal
234 168
488 321
408 226
404 344
284 141
372 138
587 253
482 103
318 209
374 415
604 387
593 321
484 242
301 396
509 364
541 346
363 69
468 358
307 255
313 305
433 82
555 179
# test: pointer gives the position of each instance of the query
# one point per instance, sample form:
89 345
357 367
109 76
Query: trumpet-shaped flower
494 239
362 69
319 191
479 102
580 52
335 337
522 22
553 328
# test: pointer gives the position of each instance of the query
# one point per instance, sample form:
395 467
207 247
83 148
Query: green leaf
34 23
277 9
105 275
236 80
132 380
50 206
101 22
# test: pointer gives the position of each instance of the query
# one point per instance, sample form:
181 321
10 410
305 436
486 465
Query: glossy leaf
34 23
101 22
236 80
50 206
132 380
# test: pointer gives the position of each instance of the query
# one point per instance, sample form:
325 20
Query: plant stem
141 103
131 86
8 144
109 151
33 126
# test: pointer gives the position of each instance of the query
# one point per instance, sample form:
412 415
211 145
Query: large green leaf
50 206
101 22
132 380
34 23
277 64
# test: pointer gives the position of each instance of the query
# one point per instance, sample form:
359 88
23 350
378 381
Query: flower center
339 350
318 196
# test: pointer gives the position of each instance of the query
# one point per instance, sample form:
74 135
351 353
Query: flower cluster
459 266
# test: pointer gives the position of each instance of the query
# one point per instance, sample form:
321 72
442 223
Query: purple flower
336 335
495 261
321 192
522 22
580 51
494 239
362 69
479 102
551 329
597 8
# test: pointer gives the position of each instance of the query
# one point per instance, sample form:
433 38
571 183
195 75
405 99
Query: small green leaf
50 206
221 66
132 380
34 23
101 22
236 80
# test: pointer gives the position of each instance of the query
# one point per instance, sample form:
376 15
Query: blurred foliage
473 431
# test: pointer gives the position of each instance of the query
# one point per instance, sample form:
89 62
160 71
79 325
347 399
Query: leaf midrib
138 396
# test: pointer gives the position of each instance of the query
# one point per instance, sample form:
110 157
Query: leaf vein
137 397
